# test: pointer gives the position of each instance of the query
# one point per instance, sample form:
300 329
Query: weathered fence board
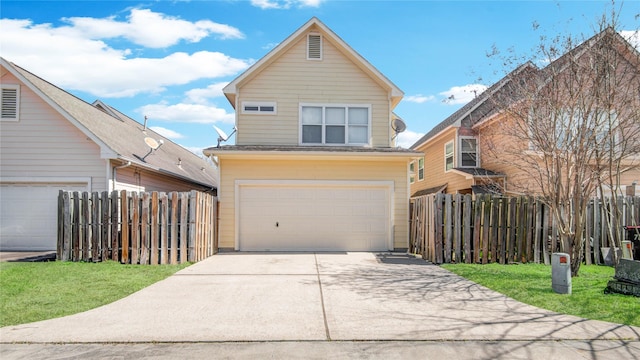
455 228
132 228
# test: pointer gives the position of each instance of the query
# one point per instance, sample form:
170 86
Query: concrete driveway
314 297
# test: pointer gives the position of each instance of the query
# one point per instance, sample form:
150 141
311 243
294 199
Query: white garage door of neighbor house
28 215
312 217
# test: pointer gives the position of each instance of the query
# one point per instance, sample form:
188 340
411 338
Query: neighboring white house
51 140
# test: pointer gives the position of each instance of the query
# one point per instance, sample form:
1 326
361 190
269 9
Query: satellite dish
398 125
222 136
153 145
151 142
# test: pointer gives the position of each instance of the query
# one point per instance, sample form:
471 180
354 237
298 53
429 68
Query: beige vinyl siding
136 179
434 174
44 144
292 79
377 170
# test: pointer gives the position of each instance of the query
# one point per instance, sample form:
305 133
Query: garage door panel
314 217
28 214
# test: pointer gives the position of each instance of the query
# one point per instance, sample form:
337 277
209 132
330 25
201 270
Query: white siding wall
291 80
44 144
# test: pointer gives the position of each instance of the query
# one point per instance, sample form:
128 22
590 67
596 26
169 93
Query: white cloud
419 98
285 4
202 96
168 133
462 94
633 37
73 60
407 138
270 46
186 113
150 29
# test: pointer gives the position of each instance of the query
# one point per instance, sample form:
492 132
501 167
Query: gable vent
314 47
9 103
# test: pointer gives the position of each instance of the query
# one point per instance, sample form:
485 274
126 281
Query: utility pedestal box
561 273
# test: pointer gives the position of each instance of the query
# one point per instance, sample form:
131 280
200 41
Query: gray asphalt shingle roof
125 136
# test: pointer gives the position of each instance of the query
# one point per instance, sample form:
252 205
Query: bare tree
571 129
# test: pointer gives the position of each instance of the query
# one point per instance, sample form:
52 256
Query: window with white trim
448 156
421 169
263 107
334 124
468 152
10 103
314 46
412 172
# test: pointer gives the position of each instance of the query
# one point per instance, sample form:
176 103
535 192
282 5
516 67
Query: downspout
114 172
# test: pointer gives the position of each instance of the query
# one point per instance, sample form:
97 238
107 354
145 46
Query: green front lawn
531 284
45 290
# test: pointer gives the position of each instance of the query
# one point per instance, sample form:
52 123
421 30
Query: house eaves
230 90
315 152
118 136
106 152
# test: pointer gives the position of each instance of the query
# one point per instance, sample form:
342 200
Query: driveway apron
307 296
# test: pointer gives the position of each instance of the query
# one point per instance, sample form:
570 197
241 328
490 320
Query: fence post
457 231
184 227
67 230
95 227
144 230
154 228
60 223
164 218
75 230
86 240
124 210
174 228
115 244
191 256
135 228
448 228
467 228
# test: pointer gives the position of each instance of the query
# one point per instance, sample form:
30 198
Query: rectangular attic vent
314 47
10 103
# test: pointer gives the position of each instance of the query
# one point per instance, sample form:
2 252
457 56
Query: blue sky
169 59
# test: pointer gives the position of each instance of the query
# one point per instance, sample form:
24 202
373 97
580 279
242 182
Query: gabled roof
479 108
317 25
476 108
118 136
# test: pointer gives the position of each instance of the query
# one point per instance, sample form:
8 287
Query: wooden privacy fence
457 228
136 228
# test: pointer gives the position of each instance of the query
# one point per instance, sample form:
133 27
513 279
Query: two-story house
314 166
475 149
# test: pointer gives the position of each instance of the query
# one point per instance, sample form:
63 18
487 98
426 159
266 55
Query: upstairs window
334 124
264 108
468 152
421 169
412 172
10 104
314 46
448 156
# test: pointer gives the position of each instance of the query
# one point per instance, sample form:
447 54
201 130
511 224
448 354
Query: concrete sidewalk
311 298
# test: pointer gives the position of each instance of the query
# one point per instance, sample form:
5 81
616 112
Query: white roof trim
105 151
231 87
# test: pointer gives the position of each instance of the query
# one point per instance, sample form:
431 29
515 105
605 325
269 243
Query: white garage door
28 215
314 217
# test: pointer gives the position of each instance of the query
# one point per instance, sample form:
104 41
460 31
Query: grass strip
44 290
531 284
